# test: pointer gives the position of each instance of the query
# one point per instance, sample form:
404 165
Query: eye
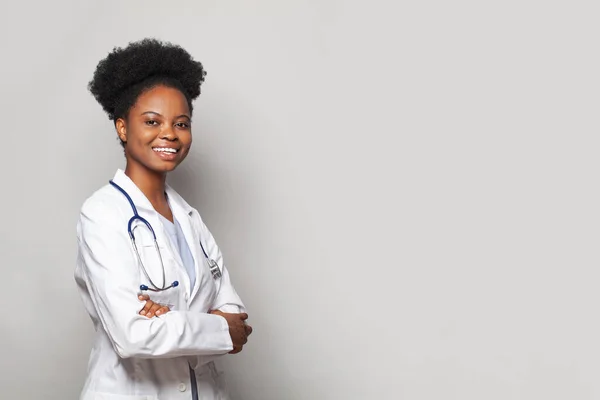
151 122
182 125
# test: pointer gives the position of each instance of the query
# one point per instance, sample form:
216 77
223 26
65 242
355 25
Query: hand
151 308
238 329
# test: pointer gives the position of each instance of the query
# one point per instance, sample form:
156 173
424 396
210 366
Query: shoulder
102 204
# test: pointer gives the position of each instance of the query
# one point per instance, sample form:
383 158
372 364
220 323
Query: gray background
405 192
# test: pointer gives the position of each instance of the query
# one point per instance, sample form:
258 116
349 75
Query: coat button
182 387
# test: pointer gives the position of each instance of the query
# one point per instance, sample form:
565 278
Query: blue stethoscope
214 268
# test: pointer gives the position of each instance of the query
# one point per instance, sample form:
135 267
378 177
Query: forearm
174 334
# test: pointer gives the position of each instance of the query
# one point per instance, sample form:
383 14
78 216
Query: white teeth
165 149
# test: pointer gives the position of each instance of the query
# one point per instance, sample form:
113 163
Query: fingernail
158 312
143 312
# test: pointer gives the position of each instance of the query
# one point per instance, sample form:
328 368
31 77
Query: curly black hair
126 73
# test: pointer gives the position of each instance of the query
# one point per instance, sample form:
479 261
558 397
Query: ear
121 128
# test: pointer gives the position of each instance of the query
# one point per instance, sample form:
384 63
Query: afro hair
127 72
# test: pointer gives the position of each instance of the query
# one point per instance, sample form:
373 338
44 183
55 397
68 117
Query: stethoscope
213 266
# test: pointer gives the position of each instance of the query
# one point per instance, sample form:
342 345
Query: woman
162 313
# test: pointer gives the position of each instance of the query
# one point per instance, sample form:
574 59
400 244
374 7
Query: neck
151 183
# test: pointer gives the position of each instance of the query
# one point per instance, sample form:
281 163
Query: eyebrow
155 113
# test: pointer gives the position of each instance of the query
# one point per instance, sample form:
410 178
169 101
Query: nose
168 133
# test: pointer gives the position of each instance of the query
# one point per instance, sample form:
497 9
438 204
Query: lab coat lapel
138 198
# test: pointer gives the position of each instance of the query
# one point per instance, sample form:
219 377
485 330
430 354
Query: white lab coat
134 357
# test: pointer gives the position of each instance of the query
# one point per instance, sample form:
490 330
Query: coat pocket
154 265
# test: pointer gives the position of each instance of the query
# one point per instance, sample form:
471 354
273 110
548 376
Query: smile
165 150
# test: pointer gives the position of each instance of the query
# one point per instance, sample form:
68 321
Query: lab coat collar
141 201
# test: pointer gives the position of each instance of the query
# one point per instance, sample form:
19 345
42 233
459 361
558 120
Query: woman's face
157 132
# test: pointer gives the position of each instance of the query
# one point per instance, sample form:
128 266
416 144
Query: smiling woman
137 236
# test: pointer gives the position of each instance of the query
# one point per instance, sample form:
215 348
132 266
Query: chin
163 167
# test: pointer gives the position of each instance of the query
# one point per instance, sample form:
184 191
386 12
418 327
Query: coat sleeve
109 269
227 299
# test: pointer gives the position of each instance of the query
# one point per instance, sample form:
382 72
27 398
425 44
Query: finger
162 310
143 297
243 335
147 306
153 310
248 330
236 349
243 316
155 307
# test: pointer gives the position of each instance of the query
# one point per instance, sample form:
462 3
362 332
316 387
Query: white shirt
178 241
134 357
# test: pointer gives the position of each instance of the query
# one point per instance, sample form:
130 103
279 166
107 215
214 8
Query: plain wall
406 194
